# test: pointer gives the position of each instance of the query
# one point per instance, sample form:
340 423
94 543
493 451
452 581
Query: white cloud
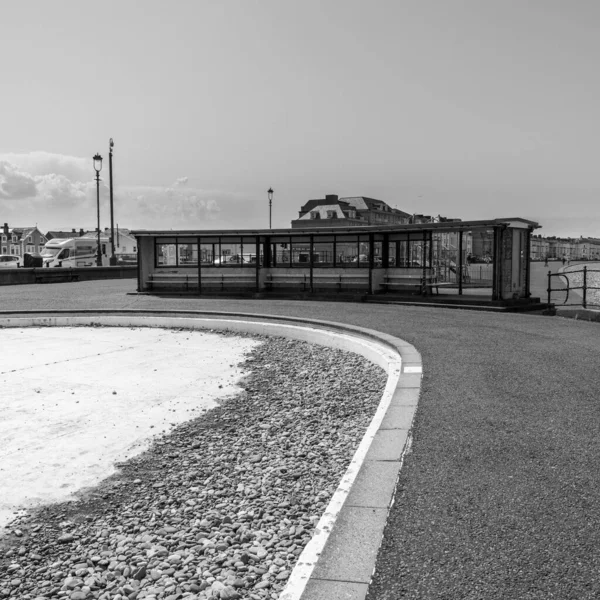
54 190
14 183
59 191
45 163
166 208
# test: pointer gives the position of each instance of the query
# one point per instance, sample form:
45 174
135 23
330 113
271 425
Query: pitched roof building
21 240
333 211
64 235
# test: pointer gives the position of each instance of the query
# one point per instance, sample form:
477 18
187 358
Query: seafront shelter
487 258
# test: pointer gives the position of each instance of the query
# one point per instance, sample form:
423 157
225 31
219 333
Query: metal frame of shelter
378 254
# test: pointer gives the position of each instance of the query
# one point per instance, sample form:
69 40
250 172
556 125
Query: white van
75 252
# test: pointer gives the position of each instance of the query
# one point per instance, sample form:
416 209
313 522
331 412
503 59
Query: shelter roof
443 226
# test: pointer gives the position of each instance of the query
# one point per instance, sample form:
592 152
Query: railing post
549 285
584 286
459 266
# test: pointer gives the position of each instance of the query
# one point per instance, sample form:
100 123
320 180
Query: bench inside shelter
416 284
188 282
46 275
338 282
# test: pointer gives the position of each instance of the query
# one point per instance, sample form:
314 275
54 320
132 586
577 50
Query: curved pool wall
340 558
593 280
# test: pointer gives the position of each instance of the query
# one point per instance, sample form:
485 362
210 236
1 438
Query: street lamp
270 192
113 258
98 168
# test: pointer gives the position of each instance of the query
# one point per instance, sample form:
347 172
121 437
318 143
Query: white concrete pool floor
76 400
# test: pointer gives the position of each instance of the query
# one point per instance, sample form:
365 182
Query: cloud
45 163
167 208
14 183
54 191
59 191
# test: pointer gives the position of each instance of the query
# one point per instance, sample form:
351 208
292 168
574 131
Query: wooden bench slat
190 282
409 282
337 280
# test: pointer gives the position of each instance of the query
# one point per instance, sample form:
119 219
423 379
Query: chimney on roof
333 198
80 232
73 230
5 228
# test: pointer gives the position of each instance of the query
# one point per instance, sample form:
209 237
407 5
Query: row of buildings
332 211
555 248
19 241
354 211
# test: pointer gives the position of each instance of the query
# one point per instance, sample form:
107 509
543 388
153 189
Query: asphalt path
498 497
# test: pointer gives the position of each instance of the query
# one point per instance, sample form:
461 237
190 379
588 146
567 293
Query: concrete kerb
339 560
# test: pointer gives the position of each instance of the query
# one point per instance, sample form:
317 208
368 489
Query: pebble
222 506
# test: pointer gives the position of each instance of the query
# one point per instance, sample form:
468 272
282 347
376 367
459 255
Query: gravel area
219 508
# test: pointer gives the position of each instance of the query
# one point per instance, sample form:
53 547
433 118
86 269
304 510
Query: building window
29 239
3 249
41 249
331 214
30 248
315 215
4 238
14 238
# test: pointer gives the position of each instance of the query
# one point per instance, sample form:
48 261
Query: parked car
9 261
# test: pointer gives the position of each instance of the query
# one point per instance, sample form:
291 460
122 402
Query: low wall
21 276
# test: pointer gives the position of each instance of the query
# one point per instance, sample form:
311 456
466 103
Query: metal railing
581 286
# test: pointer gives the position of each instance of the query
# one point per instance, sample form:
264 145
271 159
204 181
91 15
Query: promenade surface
498 496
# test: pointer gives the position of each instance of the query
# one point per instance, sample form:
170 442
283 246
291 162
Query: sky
473 109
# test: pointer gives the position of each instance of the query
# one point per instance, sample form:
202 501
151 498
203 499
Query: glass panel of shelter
187 252
472 258
300 251
280 253
230 252
209 250
407 250
378 258
323 251
166 252
363 251
410 250
478 255
346 251
249 251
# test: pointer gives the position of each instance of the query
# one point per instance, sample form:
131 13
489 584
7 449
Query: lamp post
113 258
270 193
98 168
